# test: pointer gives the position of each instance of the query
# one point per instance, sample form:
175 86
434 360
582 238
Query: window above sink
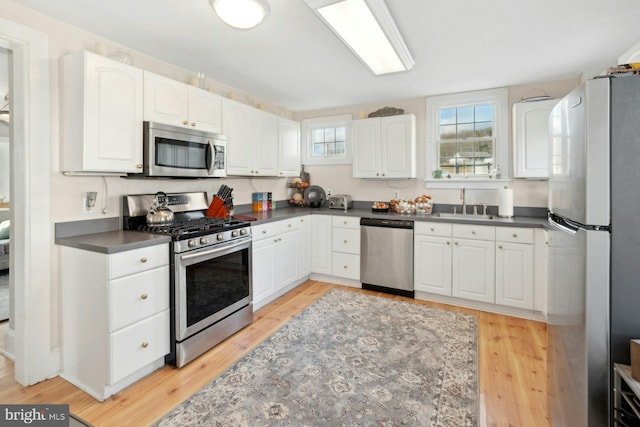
467 139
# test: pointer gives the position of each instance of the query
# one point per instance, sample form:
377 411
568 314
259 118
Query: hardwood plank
511 363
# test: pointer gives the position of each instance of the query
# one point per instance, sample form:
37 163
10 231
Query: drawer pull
185 122
264 231
289 225
144 296
346 222
345 267
432 229
473 232
455 243
345 242
514 235
143 260
448 242
144 344
500 247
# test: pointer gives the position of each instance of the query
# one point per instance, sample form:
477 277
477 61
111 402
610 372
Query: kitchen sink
462 216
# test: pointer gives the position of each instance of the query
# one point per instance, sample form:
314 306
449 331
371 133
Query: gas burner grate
191 226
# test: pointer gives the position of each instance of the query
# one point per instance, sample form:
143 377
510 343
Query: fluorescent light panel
367 28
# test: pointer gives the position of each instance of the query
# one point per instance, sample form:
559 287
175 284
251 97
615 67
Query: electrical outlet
396 195
329 192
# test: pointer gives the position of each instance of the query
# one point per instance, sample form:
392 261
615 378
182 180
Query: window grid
466 139
328 141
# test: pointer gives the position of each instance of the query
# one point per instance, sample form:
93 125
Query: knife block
216 208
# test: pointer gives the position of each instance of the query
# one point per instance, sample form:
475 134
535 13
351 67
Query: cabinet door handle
143 260
473 232
264 231
500 247
345 267
346 222
144 344
302 220
514 235
455 243
139 166
432 229
193 123
185 122
345 242
448 242
289 225
144 296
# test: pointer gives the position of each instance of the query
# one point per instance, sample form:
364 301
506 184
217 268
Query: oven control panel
215 238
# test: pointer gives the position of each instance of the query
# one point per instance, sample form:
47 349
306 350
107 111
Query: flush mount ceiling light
242 14
368 29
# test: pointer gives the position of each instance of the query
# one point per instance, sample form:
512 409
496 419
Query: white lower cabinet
304 254
336 246
275 259
479 263
432 258
345 244
321 250
514 268
473 270
115 316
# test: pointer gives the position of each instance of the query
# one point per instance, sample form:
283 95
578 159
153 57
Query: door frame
30 327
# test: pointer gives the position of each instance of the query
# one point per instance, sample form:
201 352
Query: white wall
4 129
338 178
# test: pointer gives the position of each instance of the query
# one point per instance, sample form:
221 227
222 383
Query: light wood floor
512 360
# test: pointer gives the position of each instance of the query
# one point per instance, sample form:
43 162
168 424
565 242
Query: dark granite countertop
110 242
289 212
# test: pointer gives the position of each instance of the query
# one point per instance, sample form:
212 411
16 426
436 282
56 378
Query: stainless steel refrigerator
593 295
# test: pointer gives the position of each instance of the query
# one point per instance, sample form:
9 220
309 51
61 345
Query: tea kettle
159 213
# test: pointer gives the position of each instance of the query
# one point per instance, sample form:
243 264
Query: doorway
28 337
5 186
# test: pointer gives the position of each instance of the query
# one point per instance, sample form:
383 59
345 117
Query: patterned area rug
4 295
349 359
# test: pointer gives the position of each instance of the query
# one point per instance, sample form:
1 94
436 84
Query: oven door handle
213 251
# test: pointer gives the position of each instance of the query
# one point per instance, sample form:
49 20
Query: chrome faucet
464 201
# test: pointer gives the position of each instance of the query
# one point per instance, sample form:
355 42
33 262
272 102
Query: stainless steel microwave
176 152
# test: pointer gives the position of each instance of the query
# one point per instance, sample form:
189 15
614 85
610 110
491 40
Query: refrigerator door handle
562 224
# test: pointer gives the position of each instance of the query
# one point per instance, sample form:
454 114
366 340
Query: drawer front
135 297
346 240
138 345
271 229
438 229
514 235
346 265
138 260
346 221
476 232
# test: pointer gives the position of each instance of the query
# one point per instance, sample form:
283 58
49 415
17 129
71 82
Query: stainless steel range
211 291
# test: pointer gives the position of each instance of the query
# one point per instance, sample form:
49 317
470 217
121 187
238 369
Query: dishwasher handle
388 223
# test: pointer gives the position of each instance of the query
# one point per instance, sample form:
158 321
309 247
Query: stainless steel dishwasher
386 255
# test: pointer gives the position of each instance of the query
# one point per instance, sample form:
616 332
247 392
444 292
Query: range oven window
215 284
181 154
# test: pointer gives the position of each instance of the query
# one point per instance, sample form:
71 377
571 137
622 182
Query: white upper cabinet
101 115
531 138
289 147
174 103
252 147
384 147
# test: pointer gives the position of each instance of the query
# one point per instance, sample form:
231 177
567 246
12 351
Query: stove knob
220 237
234 233
192 243
243 232
203 241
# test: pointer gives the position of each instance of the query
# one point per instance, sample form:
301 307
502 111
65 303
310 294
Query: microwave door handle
211 153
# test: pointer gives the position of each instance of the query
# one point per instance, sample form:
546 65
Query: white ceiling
295 61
